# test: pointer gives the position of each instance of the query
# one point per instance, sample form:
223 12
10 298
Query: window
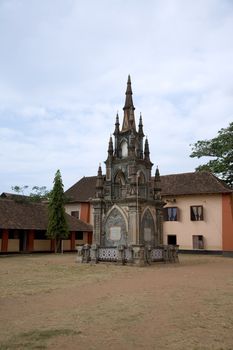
196 212
170 214
79 236
198 242
75 213
171 239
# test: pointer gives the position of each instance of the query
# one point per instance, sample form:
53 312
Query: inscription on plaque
115 233
147 234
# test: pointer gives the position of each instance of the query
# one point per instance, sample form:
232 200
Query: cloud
64 66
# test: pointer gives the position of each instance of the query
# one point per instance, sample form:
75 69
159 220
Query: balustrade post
94 253
86 253
121 255
79 258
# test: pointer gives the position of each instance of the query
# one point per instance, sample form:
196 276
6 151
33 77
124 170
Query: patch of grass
36 339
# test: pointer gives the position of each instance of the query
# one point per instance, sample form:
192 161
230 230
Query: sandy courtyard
51 302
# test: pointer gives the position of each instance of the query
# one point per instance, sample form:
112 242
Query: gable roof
177 184
83 190
200 182
29 215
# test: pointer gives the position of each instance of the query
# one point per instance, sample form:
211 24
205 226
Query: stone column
94 254
86 253
139 255
79 258
121 255
97 227
133 231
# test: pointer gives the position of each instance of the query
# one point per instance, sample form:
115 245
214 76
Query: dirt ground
51 302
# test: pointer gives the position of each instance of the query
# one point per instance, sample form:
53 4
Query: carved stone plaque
147 234
115 233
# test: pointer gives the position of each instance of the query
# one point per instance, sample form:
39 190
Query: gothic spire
140 126
157 184
117 125
99 183
110 147
129 121
146 150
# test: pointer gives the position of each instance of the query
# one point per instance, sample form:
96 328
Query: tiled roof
30 215
201 182
82 190
171 185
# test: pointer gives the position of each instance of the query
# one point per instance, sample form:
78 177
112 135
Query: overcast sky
63 73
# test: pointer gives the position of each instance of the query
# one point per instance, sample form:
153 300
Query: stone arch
141 177
141 182
119 177
115 227
119 184
148 231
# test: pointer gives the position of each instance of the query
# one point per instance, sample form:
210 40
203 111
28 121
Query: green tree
221 149
57 225
37 193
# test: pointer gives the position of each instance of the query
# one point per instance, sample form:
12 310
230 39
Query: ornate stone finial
117 125
99 170
146 150
99 183
140 126
157 184
110 146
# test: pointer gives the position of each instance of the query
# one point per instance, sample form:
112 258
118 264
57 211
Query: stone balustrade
138 255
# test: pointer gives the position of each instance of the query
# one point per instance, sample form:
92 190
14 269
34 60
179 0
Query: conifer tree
57 225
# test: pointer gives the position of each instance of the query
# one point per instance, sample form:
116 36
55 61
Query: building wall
42 245
210 228
13 245
73 207
85 211
227 224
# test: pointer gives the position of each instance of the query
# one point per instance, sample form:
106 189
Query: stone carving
115 222
148 228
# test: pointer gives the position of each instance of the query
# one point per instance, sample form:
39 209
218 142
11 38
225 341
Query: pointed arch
148 232
119 184
119 178
115 227
141 182
124 148
141 177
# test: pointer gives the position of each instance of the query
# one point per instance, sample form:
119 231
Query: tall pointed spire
110 147
157 184
129 121
99 183
117 125
140 126
146 150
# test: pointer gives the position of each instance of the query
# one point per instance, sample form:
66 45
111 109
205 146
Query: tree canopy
221 149
37 194
57 225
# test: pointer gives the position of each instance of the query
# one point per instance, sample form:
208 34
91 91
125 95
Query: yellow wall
66 244
184 229
42 244
13 245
